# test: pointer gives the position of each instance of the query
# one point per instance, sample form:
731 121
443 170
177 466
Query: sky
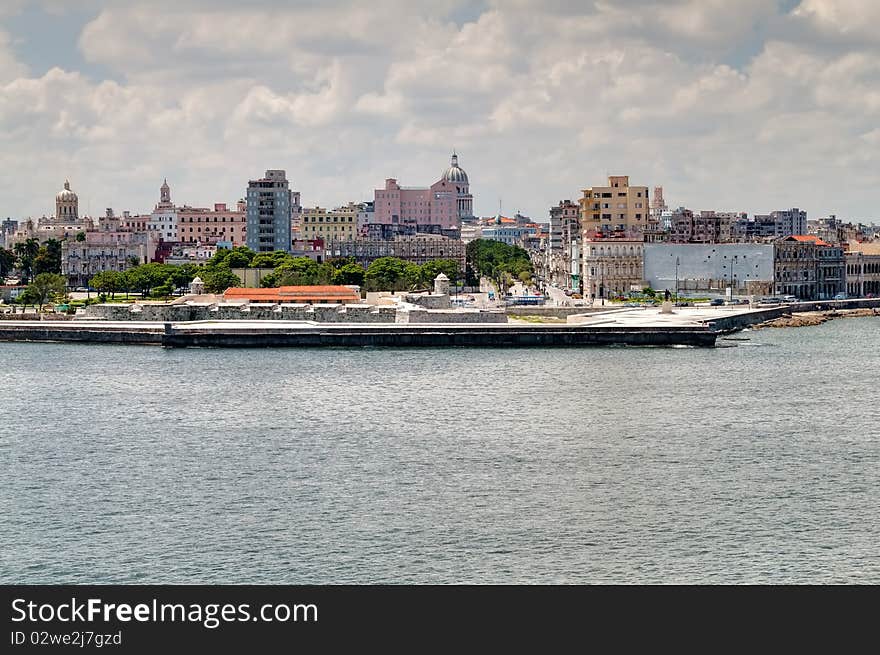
751 105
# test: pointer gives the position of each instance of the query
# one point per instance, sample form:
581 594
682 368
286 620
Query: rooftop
297 294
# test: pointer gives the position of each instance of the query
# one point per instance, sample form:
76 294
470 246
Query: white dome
66 195
455 174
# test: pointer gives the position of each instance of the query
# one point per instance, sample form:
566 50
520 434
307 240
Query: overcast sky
751 105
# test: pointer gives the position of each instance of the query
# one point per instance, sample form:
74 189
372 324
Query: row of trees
31 259
500 262
383 274
160 280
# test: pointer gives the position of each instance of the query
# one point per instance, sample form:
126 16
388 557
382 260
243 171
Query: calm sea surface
756 463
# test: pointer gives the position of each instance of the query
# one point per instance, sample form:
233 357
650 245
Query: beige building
110 247
863 270
612 267
618 209
338 224
210 226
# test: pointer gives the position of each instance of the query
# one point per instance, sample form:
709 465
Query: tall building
617 208
269 209
790 221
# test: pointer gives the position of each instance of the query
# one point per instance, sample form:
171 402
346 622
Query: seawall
253 334
753 317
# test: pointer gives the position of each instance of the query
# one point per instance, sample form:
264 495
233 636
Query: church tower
165 194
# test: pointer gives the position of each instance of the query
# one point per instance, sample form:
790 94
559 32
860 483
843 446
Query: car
715 302
789 299
840 296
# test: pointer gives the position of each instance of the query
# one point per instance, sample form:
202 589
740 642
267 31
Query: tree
80 236
108 282
350 274
240 257
45 287
53 251
143 278
219 280
163 290
498 261
26 252
7 262
270 259
390 274
433 268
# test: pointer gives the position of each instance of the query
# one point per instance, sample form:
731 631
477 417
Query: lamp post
733 274
677 262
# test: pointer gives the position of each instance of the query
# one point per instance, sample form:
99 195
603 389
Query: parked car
715 302
789 299
840 296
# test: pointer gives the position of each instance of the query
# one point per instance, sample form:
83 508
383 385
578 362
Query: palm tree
26 253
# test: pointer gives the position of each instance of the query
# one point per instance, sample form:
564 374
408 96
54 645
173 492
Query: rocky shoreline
806 319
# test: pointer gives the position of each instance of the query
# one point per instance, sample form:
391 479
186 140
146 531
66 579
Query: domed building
438 209
455 175
66 204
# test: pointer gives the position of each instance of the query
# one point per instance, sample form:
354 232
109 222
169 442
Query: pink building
439 208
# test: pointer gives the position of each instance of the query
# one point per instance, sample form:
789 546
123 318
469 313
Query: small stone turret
441 284
197 287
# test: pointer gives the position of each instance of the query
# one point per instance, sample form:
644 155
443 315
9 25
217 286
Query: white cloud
540 100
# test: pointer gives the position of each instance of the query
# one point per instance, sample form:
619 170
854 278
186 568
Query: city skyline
753 107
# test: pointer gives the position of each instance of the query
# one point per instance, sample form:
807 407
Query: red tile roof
808 238
300 294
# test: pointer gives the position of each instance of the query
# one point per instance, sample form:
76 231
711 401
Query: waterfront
757 463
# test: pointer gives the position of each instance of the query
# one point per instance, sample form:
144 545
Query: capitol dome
454 174
66 195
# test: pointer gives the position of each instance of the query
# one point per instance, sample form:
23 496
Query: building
219 224
658 204
109 247
438 209
419 249
7 229
506 229
564 225
747 268
790 222
315 294
614 209
192 253
612 266
66 204
270 206
863 270
340 224
809 268
163 219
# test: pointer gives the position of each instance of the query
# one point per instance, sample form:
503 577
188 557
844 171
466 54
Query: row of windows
320 219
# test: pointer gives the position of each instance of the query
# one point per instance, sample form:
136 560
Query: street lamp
677 262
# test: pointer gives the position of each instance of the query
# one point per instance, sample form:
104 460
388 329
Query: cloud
540 100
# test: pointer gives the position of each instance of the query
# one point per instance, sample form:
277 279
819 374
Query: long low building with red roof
315 294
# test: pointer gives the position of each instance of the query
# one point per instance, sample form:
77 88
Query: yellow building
338 224
617 209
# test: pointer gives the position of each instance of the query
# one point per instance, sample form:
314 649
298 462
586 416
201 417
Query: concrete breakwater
281 333
806 319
